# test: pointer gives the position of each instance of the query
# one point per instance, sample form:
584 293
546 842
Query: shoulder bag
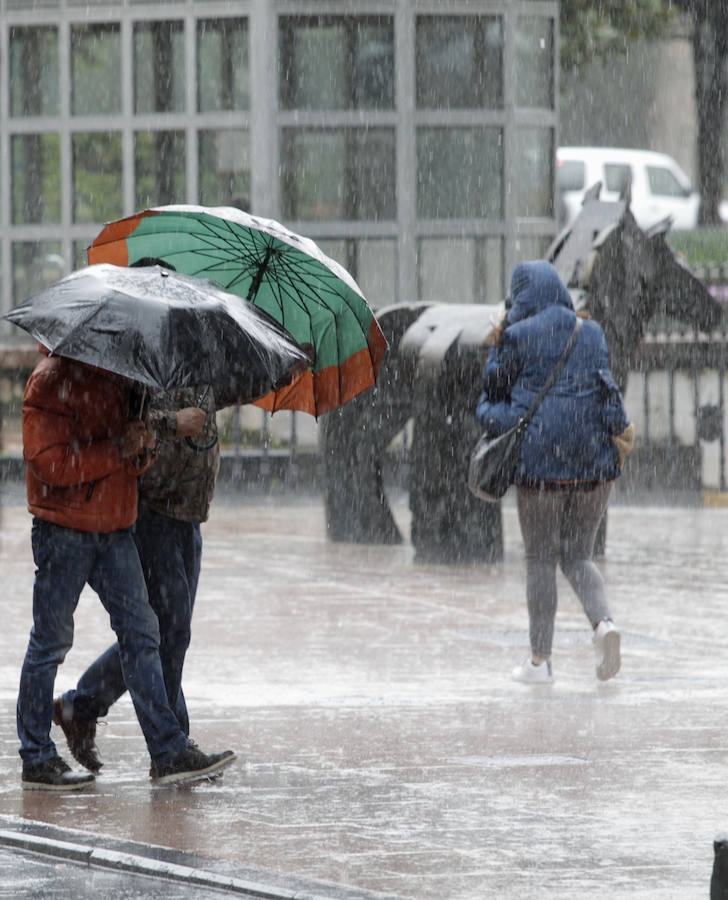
494 459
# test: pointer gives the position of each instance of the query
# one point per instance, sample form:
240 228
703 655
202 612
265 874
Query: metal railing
676 395
681 376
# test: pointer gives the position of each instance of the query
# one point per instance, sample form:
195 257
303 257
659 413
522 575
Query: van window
663 182
616 176
570 175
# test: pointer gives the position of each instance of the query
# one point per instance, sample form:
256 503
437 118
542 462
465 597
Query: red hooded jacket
73 417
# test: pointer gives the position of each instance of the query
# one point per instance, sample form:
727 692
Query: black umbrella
160 328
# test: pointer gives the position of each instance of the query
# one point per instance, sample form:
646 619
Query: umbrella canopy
281 272
160 328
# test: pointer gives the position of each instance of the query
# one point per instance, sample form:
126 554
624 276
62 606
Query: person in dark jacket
570 456
175 495
174 498
83 452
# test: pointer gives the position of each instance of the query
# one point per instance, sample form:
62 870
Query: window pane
95 69
159 168
533 167
445 270
371 262
376 270
223 68
338 249
532 247
460 173
616 176
36 188
97 177
663 182
459 62
337 62
345 173
225 168
571 175
36 264
33 71
80 256
312 174
159 67
373 74
460 270
490 275
535 62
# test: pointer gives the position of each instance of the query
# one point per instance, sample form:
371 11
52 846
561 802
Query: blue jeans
65 560
170 552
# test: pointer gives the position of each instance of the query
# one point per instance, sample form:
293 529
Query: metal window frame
264 119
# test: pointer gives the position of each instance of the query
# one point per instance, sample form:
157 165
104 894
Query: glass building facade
414 141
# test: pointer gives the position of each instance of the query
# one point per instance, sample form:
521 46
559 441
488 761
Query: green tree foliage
709 19
602 28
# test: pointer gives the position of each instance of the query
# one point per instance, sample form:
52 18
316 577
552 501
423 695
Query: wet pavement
382 745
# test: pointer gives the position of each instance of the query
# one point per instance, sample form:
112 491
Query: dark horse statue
624 276
432 375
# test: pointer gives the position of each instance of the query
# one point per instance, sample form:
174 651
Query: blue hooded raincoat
570 437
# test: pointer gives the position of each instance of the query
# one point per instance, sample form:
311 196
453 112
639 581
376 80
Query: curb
105 852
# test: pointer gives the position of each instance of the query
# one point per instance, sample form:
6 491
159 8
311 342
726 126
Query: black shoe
53 775
190 765
80 736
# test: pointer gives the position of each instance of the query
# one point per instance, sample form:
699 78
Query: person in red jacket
83 453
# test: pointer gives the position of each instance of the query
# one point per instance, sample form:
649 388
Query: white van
660 188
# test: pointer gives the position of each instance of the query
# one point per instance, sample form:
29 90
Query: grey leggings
559 527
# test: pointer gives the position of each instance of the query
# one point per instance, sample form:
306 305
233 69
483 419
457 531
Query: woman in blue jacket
569 456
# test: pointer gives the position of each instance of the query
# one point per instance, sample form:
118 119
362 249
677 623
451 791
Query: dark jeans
559 528
65 561
170 553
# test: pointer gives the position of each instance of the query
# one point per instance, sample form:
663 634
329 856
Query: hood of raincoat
534 286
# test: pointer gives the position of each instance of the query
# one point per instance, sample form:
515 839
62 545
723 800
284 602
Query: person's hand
190 421
135 440
625 443
494 337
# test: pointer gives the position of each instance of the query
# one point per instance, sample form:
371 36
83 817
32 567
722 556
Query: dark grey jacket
181 483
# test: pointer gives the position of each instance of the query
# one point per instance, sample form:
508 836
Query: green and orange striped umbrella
286 275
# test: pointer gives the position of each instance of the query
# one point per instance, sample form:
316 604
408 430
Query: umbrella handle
199 448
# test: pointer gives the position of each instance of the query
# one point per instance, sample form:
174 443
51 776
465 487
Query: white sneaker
531 673
606 641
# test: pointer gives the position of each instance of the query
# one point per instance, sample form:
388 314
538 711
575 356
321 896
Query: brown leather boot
80 737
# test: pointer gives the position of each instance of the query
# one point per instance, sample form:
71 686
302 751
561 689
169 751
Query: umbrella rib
302 286
209 235
278 291
206 233
237 248
81 326
323 292
292 287
346 311
235 244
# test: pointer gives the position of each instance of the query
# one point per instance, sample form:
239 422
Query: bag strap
555 372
